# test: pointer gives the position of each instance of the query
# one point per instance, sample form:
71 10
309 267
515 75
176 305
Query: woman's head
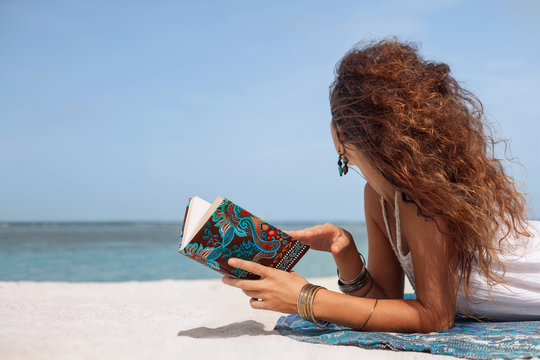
425 134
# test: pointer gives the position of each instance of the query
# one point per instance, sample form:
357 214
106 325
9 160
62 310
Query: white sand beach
166 319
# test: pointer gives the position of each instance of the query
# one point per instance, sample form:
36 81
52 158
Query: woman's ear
340 135
337 134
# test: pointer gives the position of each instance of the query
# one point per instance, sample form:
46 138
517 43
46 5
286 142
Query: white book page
197 209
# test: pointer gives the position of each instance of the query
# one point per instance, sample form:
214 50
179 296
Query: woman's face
356 158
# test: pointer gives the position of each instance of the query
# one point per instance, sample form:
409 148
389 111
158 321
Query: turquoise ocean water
120 252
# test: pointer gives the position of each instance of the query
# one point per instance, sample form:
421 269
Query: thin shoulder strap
385 218
398 224
405 261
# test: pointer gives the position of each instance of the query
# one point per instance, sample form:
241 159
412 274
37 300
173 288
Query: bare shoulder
411 216
372 200
374 216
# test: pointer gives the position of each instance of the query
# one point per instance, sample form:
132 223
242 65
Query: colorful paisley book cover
213 233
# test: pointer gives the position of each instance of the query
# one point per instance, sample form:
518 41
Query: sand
168 319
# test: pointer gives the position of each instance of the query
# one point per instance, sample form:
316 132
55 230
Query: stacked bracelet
361 275
304 304
352 286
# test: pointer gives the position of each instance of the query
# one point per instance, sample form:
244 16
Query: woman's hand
327 237
276 290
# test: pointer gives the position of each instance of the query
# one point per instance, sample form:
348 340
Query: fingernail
232 262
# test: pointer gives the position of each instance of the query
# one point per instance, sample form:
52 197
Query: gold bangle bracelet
301 301
310 308
369 316
304 304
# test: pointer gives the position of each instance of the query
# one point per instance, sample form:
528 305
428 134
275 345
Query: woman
439 208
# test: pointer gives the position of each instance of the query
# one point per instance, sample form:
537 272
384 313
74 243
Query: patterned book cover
234 232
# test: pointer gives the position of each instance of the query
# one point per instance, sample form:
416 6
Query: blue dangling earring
343 169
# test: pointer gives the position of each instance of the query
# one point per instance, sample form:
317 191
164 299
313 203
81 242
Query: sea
126 251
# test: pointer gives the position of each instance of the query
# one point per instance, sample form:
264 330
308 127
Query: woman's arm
433 310
383 266
278 290
433 267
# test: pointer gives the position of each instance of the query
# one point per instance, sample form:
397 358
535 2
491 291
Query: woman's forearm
389 315
349 265
348 260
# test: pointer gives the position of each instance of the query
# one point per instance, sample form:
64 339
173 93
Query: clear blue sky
121 110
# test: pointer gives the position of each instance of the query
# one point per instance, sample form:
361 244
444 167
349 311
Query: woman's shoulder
370 195
372 202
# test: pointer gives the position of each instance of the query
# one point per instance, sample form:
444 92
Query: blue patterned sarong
468 338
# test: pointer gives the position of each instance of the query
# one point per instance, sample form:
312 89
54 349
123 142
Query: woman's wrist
304 304
348 261
358 283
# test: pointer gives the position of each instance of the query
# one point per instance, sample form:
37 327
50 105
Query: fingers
257 304
319 237
298 234
293 233
250 287
336 249
253 293
308 233
242 283
305 232
312 231
250 266
255 300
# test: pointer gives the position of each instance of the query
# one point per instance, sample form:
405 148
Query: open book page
199 211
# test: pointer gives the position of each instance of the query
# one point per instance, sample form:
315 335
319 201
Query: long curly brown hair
427 136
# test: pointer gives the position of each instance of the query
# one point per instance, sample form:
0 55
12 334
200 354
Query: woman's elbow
438 323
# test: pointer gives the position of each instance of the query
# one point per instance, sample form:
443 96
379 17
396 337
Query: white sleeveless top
517 298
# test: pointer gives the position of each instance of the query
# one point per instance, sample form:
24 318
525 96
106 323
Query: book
213 233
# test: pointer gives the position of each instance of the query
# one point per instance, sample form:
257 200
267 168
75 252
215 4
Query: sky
122 110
